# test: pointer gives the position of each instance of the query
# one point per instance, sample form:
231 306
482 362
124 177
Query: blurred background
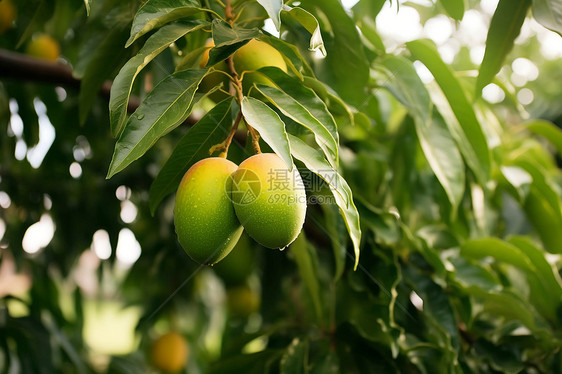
88 278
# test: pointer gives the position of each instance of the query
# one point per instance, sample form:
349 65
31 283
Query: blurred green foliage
458 194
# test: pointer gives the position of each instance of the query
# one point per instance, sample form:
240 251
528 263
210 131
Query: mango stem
223 146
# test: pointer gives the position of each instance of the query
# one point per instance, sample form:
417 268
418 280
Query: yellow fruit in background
214 79
242 301
169 352
7 15
44 47
269 200
253 56
204 217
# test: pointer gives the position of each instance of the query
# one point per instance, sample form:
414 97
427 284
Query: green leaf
291 55
32 18
544 184
228 39
546 296
105 59
469 135
455 8
345 68
504 28
164 108
295 358
315 162
548 130
549 14
444 158
437 143
469 273
306 260
519 179
254 363
87 5
292 108
212 129
439 313
545 220
497 249
337 232
270 126
155 13
548 292
306 98
310 23
123 83
502 357
273 9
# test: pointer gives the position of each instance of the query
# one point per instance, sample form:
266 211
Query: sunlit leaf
469 135
270 126
315 162
164 108
437 143
273 9
455 8
310 23
549 14
504 28
155 13
123 83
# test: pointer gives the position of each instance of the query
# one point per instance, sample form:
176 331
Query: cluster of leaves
460 209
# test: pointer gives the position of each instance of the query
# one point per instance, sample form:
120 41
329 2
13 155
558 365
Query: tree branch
20 67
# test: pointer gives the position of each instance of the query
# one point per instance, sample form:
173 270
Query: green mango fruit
253 56
214 79
204 217
269 200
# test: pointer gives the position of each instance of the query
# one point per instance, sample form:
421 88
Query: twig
223 147
239 96
230 17
20 67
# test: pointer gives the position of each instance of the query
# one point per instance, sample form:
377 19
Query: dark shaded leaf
194 146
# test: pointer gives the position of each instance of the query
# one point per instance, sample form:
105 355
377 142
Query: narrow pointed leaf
504 28
165 107
305 96
291 55
454 8
212 129
293 109
228 39
549 131
307 262
436 141
549 14
310 23
477 154
315 162
346 65
155 13
123 83
273 9
270 126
